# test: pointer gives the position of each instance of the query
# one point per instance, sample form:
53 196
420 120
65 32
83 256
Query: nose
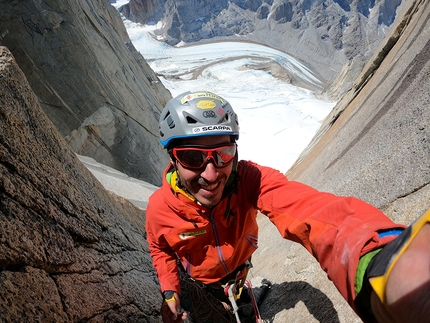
210 173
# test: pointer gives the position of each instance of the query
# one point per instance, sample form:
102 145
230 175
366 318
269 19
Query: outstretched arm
336 230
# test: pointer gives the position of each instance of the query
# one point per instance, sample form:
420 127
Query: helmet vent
224 119
170 122
191 120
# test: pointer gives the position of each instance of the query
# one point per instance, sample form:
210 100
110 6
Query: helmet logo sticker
197 95
220 111
214 128
209 114
205 104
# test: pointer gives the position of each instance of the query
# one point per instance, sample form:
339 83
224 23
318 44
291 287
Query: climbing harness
233 291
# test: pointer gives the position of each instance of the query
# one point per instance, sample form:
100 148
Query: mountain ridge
330 37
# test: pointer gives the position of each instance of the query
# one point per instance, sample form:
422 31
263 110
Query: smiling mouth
209 187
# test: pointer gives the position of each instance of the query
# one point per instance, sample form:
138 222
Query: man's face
206 184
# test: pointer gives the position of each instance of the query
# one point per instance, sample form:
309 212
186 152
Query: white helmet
195 114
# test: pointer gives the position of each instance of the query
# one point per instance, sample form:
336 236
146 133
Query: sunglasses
196 157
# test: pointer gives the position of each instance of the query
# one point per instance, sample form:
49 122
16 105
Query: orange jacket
210 245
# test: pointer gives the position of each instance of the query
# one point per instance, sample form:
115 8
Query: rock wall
69 250
375 145
92 83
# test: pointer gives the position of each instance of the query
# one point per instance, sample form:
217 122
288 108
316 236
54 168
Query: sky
277 120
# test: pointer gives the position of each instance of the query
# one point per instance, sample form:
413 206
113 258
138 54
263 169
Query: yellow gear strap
176 188
379 283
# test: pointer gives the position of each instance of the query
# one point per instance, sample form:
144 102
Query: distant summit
327 36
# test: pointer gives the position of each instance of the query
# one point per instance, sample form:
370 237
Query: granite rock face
328 36
92 83
375 145
69 250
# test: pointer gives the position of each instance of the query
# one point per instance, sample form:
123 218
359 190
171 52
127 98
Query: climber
202 229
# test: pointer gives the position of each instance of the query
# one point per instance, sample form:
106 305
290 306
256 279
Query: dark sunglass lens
191 158
224 156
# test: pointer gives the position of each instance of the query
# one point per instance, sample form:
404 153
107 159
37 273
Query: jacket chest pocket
190 236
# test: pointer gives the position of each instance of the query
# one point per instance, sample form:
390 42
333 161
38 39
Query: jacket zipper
217 244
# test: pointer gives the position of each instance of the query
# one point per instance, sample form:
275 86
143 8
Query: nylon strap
382 264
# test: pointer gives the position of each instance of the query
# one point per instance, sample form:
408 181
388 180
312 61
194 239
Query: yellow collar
172 178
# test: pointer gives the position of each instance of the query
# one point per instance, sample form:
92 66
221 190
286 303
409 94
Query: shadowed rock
91 82
69 250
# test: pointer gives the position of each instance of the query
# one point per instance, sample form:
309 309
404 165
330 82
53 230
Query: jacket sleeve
336 230
163 257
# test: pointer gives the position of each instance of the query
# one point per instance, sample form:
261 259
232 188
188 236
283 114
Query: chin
209 202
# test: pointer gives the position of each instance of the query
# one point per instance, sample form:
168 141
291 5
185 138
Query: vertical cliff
375 144
92 83
69 250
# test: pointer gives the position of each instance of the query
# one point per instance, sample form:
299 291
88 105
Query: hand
408 286
169 311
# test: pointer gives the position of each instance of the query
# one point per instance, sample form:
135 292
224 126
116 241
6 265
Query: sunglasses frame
209 156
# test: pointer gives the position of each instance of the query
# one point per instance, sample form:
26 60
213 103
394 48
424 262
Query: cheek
185 178
225 172
186 175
